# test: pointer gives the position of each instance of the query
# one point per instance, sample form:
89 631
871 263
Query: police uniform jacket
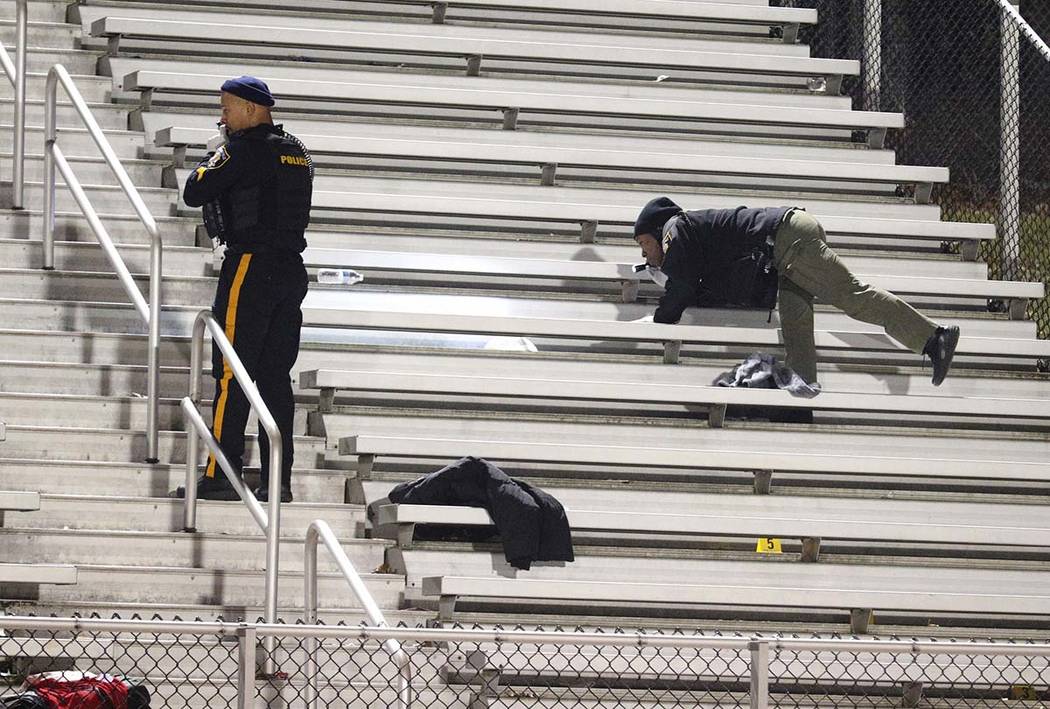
700 248
259 185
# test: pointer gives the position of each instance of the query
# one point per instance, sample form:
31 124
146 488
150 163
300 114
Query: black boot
941 349
217 488
262 493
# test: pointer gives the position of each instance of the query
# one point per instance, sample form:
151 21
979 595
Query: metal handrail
53 157
16 74
269 520
319 530
1025 28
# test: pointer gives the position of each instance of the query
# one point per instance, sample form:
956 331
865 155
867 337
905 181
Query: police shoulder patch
219 158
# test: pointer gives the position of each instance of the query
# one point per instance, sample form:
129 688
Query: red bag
75 690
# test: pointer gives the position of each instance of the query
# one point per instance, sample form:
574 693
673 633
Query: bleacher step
98 380
95 89
88 168
114 411
164 514
122 228
163 584
108 116
101 286
43 10
104 198
44 442
200 550
40 32
65 477
77 141
88 257
40 59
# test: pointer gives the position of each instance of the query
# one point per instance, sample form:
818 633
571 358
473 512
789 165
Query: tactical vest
272 214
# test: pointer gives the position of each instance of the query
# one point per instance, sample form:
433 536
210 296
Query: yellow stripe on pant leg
227 372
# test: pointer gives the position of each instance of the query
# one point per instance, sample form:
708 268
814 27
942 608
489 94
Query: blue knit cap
250 89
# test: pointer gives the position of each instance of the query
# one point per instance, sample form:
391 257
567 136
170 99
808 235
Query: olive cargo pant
808 268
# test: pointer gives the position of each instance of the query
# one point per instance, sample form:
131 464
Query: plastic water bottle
339 276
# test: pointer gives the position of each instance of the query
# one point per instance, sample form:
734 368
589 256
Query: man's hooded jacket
700 248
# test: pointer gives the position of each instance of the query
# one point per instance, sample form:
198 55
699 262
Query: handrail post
50 135
189 507
310 614
156 276
18 169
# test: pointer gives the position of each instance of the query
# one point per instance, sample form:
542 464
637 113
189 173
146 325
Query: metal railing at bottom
195 664
269 520
319 530
54 158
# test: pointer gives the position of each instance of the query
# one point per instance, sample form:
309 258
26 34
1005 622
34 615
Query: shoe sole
951 342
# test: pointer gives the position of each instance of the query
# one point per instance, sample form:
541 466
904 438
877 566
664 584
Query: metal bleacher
481 162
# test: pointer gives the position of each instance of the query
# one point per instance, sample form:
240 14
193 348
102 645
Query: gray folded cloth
763 371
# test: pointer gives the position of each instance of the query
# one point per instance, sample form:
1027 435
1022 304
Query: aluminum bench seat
520 268
490 49
903 381
715 399
316 32
786 516
594 212
337 310
858 589
731 16
712 451
484 148
515 100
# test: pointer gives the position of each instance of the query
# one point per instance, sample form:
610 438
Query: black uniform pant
258 305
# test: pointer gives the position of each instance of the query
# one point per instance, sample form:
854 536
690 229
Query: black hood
654 215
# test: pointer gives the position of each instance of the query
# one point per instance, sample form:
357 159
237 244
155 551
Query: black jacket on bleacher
532 523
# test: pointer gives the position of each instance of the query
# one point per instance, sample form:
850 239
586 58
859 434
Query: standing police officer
256 191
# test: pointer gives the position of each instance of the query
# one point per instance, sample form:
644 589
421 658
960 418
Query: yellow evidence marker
769 545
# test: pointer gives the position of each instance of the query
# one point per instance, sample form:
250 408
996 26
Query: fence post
871 63
759 674
1009 217
246 666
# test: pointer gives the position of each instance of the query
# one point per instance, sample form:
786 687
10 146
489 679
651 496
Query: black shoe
941 349
262 493
210 489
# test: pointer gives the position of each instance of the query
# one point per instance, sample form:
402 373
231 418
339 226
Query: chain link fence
975 92
196 664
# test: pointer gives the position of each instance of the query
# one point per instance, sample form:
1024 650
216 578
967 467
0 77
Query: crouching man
755 257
